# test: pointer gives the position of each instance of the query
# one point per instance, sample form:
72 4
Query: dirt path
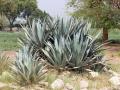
112 53
10 54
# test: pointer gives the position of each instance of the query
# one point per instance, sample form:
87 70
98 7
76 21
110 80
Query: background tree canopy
12 8
104 14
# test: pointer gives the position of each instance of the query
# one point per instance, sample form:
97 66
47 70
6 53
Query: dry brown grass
74 79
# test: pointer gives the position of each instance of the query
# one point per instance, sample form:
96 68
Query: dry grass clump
74 79
5 63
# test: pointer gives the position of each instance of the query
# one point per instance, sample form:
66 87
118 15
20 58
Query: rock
83 84
84 89
3 85
115 80
69 87
113 73
57 84
66 73
23 88
105 88
37 87
116 88
14 86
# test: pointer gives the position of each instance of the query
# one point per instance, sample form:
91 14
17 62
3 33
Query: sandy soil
10 54
112 53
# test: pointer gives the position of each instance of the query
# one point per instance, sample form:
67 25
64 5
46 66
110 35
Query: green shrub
26 69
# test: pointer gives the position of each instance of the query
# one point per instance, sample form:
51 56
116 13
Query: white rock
105 88
57 84
13 86
3 85
113 73
94 74
83 84
115 80
84 89
68 87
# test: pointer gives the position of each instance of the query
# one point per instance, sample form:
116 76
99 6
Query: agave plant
85 51
35 36
56 53
69 43
26 69
74 47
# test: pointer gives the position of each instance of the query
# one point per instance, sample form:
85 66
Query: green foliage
3 21
102 13
27 70
9 9
12 8
29 5
37 13
8 40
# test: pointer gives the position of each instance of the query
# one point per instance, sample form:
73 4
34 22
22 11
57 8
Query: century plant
65 44
36 35
74 47
27 70
85 52
56 53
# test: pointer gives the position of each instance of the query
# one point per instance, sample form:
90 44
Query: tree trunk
105 34
11 27
11 22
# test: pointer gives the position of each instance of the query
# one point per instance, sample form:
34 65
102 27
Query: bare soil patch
10 54
112 53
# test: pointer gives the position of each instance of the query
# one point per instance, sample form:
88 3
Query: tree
39 14
12 8
104 14
9 9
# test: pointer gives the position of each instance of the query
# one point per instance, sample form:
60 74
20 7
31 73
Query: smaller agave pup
26 69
